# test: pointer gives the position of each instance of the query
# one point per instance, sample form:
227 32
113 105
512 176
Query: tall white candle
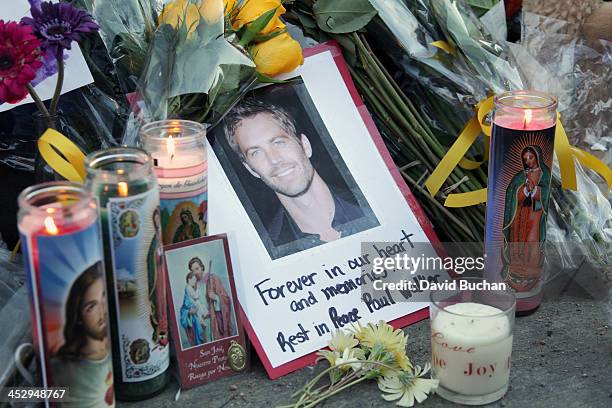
471 348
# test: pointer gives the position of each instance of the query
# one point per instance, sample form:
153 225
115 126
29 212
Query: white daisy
407 386
349 359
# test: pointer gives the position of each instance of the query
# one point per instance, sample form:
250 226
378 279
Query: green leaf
181 65
198 65
265 37
268 80
306 20
342 16
251 30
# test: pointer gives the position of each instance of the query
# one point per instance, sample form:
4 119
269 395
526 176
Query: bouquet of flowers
423 67
374 352
193 59
33 50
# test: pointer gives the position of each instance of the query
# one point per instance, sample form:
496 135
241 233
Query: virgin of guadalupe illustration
525 221
157 284
189 229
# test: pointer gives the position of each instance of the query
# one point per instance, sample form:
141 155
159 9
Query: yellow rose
250 10
178 11
278 55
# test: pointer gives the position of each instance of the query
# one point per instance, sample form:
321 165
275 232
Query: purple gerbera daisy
58 24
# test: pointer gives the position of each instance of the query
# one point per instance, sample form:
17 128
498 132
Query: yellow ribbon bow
455 156
62 155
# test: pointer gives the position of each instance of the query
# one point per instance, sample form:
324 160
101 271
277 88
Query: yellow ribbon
443 45
455 156
62 155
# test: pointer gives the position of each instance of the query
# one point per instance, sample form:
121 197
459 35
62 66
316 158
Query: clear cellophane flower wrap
445 62
92 116
192 59
475 65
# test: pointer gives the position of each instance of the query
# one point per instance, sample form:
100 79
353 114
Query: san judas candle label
67 289
140 285
183 201
518 190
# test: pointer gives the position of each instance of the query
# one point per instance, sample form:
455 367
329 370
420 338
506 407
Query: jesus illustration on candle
83 362
525 220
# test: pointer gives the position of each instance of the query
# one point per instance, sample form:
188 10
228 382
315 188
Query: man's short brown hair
249 108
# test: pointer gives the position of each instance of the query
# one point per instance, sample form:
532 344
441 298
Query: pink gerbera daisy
19 60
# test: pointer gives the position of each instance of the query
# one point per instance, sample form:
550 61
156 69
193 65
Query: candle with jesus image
520 166
178 149
60 233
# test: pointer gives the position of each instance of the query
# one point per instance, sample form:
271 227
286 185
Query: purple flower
58 25
48 69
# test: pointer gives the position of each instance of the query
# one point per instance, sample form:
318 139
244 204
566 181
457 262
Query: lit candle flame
170 146
50 226
123 188
528 117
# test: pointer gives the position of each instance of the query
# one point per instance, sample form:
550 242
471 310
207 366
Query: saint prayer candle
123 181
178 149
520 165
60 234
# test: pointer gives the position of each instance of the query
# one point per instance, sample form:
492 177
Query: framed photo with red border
206 331
300 179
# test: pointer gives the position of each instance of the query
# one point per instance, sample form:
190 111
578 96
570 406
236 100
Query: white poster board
285 297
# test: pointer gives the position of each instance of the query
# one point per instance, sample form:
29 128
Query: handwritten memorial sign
302 183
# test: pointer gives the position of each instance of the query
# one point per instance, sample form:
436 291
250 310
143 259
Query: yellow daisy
342 340
384 335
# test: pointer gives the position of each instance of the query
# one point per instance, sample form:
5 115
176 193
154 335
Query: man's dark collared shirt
283 230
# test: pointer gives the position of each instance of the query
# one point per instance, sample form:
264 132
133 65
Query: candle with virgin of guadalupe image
520 163
178 150
123 181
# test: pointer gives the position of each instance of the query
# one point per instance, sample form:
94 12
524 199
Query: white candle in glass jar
178 149
471 347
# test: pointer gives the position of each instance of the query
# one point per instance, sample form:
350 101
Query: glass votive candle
178 149
471 341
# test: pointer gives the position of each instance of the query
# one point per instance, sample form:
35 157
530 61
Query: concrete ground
562 358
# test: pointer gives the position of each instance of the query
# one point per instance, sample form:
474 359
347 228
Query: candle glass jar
520 170
124 183
63 258
471 341
178 149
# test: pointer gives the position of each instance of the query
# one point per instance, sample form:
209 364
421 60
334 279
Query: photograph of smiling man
287 172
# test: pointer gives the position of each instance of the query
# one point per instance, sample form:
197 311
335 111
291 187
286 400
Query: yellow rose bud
180 11
250 10
278 55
